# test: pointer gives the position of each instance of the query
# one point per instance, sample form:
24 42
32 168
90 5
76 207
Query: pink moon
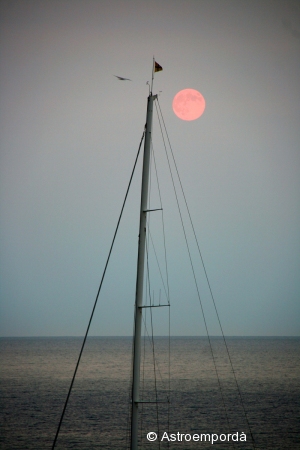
188 104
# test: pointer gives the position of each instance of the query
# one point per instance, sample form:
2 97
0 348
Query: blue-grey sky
69 135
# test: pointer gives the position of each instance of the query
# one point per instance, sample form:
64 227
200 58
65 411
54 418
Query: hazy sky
69 135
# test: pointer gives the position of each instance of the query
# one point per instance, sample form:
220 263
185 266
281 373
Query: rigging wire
156 360
163 226
203 265
167 282
98 293
155 365
144 359
147 288
195 279
127 438
162 280
167 293
168 289
153 350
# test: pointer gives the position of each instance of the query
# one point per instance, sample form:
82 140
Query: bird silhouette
121 78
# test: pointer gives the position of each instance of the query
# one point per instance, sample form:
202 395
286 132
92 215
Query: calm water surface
36 374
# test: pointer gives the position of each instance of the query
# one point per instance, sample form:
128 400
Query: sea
192 397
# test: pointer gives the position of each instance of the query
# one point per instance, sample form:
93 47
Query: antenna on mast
153 69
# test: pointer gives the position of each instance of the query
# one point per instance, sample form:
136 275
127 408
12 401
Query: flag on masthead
157 67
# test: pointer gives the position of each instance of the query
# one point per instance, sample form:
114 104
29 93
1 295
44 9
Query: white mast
140 279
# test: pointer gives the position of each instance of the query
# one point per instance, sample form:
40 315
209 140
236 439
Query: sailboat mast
140 278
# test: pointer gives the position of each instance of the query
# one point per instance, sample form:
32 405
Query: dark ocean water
36 373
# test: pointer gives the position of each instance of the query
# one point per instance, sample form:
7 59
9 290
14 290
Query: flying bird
121 78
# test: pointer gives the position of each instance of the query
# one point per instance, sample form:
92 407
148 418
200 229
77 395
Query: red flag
157 67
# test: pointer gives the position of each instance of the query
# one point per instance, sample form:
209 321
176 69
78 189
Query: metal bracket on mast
154 306
150 210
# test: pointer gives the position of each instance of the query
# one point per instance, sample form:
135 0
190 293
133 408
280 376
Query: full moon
188 104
